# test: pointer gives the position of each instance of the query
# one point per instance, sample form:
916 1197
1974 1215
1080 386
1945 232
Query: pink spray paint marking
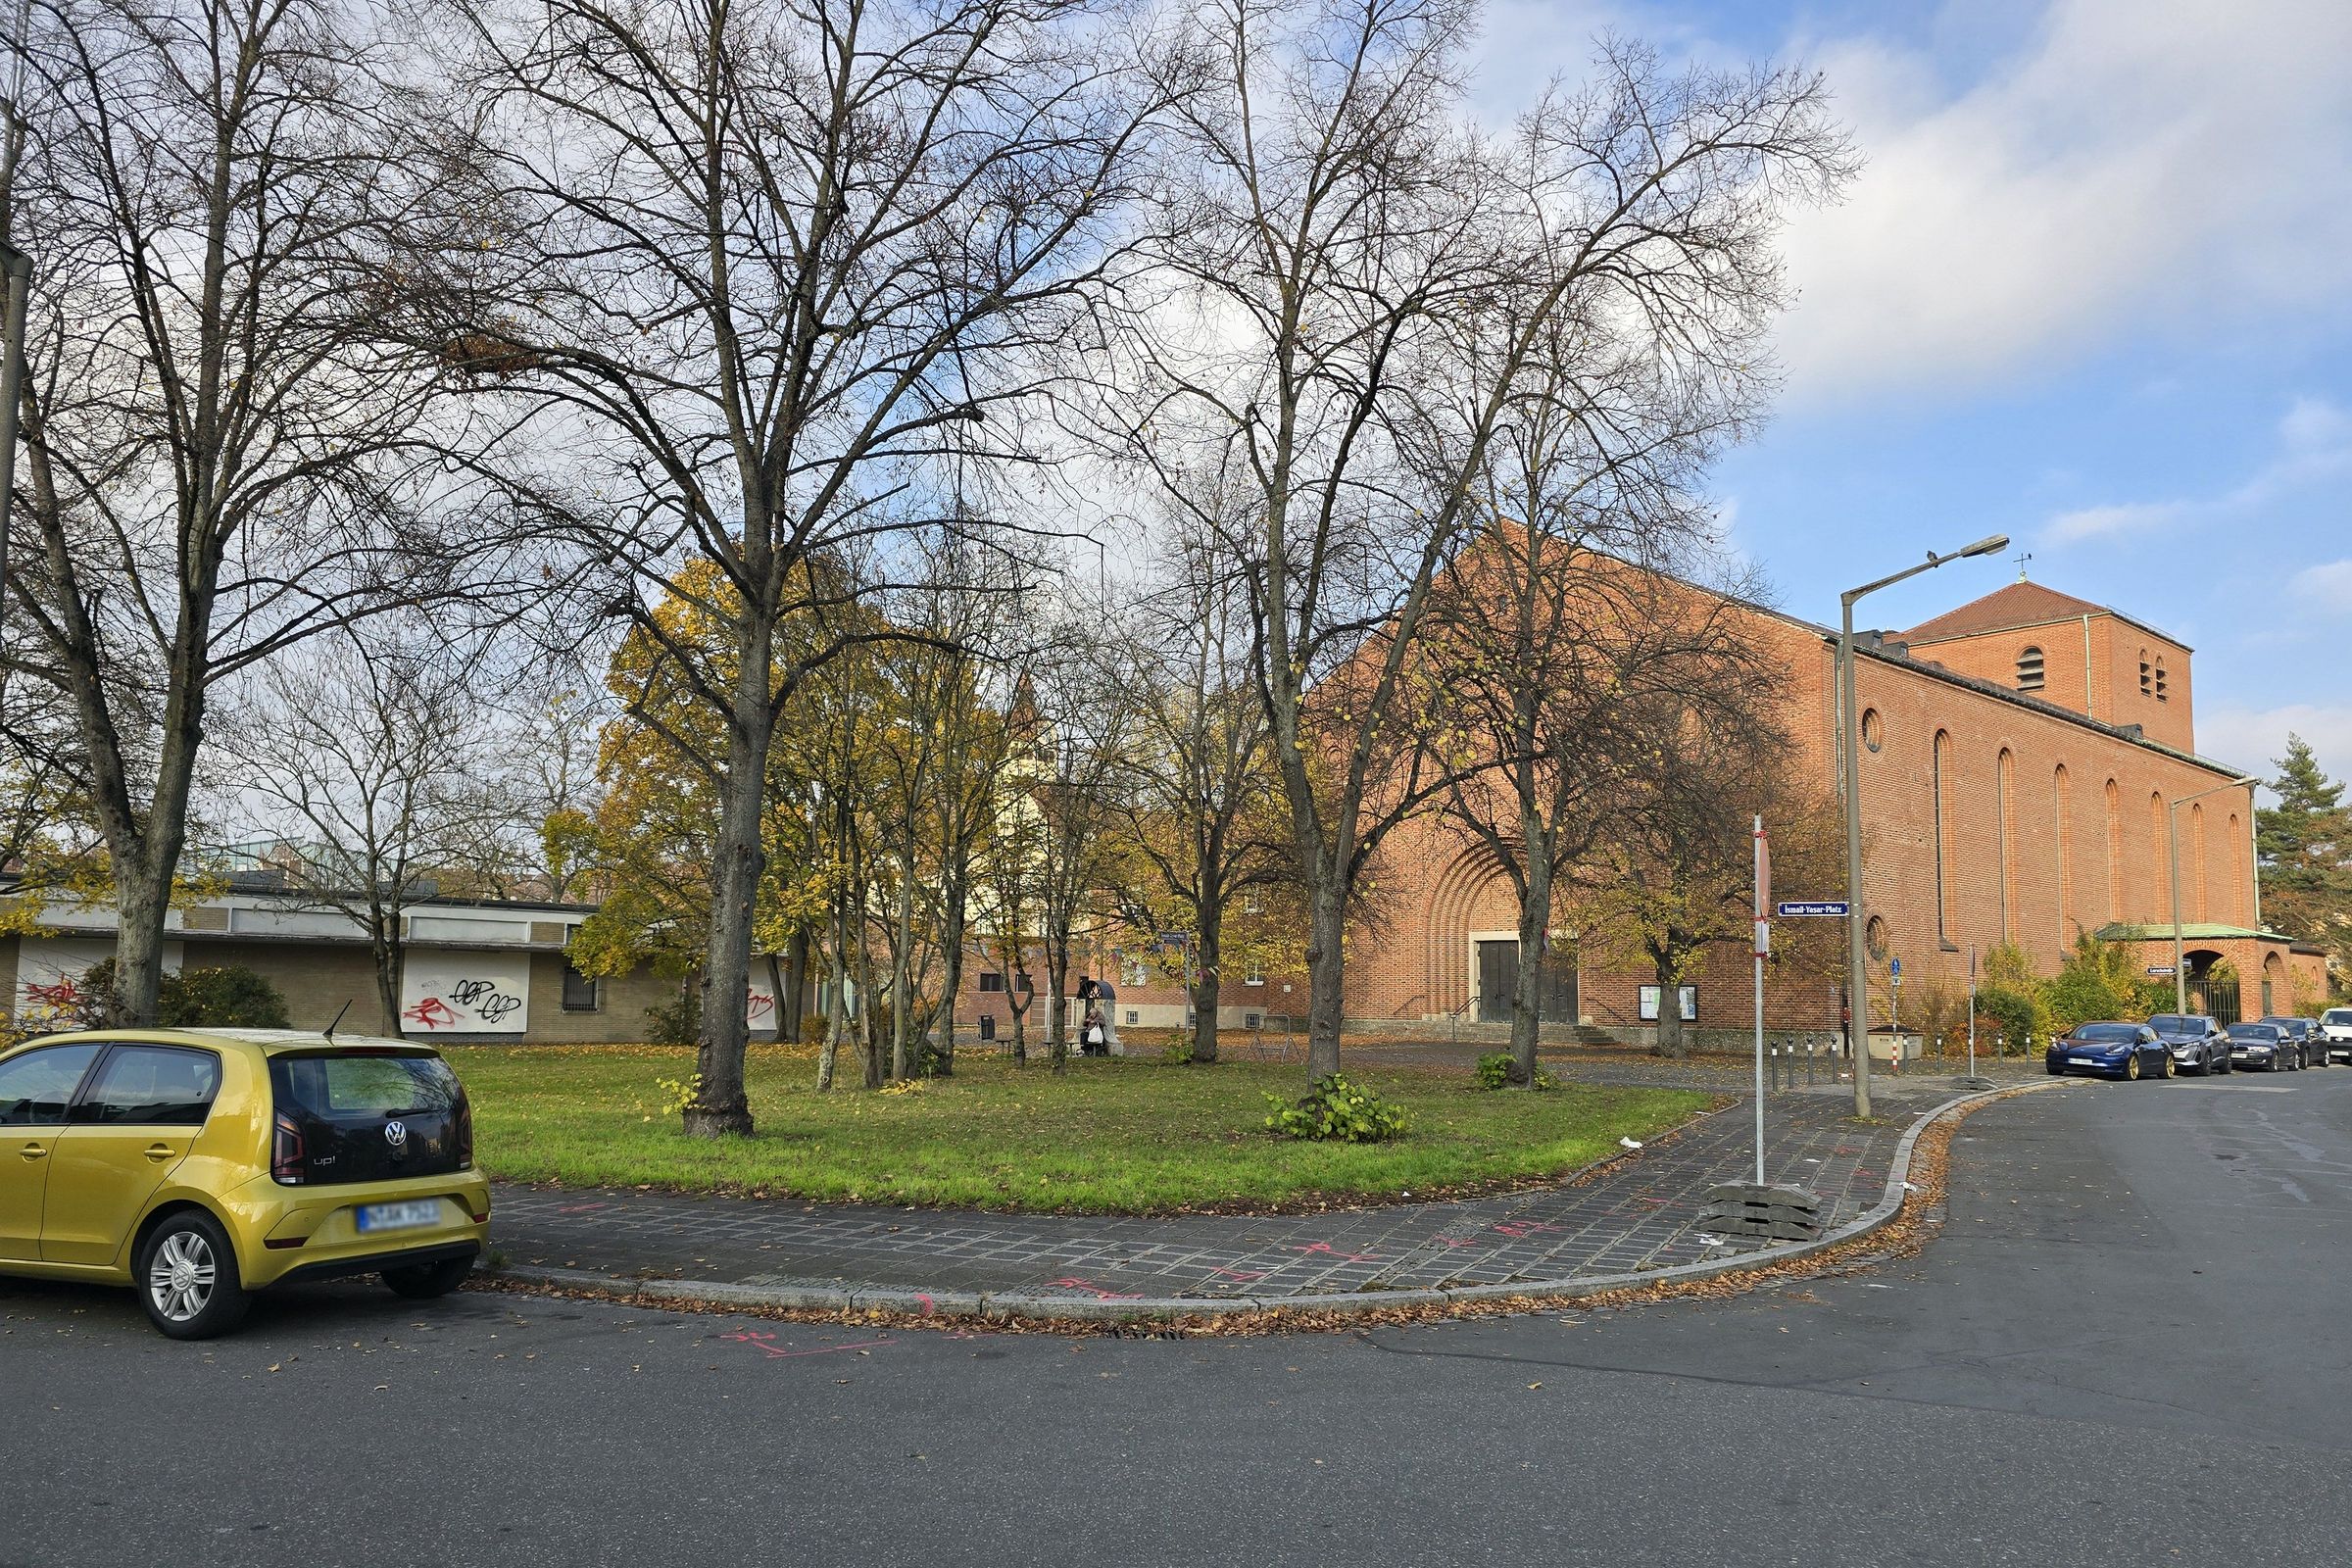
1329 1250
1518 1229
762 1339
1093 1289
1239 1276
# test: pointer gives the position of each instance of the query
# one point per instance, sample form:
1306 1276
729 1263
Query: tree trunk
869 1049
1527 995
950 939
901 964
1057 974
792 1002
1327 927
1204 982
389 955
837 1003
1671 1041
739 861
141 900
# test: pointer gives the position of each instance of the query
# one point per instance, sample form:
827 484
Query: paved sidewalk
1634 1213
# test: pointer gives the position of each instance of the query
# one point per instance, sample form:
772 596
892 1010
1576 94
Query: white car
2335 1032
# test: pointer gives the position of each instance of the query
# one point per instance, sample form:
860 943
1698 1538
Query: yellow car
200 1165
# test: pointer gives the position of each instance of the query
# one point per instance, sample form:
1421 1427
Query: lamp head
1984 547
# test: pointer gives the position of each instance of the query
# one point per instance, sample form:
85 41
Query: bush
2013 1015
1179 1049
226 997
1334 1108
677 1023
1493 1072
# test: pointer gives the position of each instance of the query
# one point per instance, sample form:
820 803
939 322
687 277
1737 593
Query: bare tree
1071 788
1198 805
226 447
1375 277
369 756
779 265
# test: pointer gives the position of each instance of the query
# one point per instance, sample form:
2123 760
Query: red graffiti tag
430 1014
760 1004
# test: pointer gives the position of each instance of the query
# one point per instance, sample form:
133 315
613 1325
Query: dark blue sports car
2111 1051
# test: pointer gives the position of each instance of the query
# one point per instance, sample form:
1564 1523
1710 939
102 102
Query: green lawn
1123 1136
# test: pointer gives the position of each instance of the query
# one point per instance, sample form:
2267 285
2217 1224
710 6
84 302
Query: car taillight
286 1149
463 1121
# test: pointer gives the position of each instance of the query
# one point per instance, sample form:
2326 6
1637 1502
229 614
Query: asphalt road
2127 1346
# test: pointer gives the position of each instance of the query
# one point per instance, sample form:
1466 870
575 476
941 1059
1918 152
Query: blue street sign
1895 967
1793 909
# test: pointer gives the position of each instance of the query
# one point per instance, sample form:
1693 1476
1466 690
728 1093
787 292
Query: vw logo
396 1134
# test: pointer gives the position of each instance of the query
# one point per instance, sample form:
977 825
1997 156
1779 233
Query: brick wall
2029 850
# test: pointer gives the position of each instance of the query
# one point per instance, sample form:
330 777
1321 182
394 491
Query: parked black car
2196 1041
2263 1045
2305 1033
2111 1051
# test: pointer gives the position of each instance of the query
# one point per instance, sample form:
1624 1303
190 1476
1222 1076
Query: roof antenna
2022 557
339 1012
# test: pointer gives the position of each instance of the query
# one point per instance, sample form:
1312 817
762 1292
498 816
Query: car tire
2225 1068
2132 1066
186 1276
2167 1064
425 1281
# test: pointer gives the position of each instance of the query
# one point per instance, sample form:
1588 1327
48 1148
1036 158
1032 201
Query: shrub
677 1023
2012 1013
1493 1072
1179 1049
226 997
1334 1108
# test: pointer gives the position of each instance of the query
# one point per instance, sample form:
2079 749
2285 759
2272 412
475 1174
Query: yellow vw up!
200 1165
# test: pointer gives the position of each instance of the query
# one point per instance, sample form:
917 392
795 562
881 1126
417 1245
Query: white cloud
2134 167
2329 584
2253 739
2314 444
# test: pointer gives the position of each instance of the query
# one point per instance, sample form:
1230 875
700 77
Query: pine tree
2305 843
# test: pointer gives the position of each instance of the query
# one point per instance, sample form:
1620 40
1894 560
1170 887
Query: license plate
2087 1061
400 1216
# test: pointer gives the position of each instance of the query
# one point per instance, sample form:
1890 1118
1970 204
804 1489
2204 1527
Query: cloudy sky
2094 290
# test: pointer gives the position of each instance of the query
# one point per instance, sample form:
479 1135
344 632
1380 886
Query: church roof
2021 604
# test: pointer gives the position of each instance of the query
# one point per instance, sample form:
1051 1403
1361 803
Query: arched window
1874 938
2005 804
2238 879
2197 851
2148 678
2062 792
1873 730
2115 852
1943 829
2161 694
2028 670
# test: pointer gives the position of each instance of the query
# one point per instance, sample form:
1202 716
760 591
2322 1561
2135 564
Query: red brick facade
2053 822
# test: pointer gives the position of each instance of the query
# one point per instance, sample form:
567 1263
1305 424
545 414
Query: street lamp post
2172 836
1857 959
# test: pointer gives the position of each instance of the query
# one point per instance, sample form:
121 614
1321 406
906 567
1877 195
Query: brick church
2022 754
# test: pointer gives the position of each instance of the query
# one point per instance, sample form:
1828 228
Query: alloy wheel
180 1277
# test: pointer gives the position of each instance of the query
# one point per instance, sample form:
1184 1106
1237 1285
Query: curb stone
1013 1306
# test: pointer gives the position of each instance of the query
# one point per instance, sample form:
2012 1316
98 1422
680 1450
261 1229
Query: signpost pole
1763 948
1972 1010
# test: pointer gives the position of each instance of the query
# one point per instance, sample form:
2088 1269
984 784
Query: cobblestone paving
1635 1213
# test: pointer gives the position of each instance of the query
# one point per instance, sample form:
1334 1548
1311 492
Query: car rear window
343 1083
